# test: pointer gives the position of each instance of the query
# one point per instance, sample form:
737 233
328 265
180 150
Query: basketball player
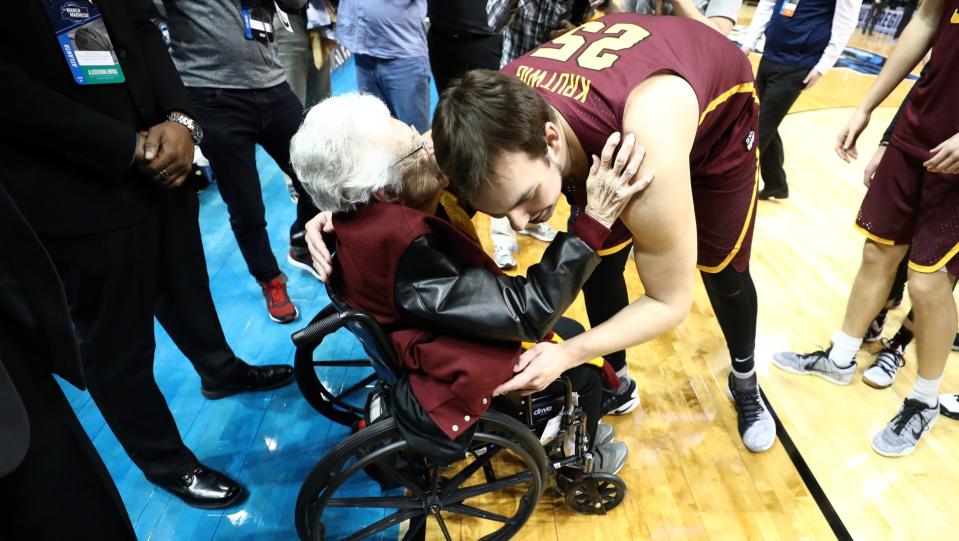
912 204
512 141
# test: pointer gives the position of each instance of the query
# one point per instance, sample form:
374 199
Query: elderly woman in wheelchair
443 328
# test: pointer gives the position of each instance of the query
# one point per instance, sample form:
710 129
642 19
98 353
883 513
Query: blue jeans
402 83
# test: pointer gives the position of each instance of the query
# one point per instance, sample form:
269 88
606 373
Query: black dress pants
184 305
111 283
452 55
778 86
234 121
61 490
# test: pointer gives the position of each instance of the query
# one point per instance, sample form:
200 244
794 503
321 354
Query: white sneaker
949 405
503 256
541 232
816 363
882 372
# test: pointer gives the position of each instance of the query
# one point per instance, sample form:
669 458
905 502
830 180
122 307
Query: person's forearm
641 321
913 45
685 8
764 12
843 24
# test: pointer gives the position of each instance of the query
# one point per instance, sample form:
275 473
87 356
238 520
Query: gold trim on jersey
738 89
872 237
742 234
613 249
938 265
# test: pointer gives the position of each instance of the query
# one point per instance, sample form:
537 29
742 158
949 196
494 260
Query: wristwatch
195 130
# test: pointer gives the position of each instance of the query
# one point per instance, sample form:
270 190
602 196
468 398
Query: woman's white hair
338 153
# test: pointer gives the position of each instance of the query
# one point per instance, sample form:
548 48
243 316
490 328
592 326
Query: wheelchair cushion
371 337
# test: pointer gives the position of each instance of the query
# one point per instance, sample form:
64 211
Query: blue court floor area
269 441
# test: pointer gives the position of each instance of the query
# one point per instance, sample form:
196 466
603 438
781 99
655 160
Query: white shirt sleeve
764 12
843 24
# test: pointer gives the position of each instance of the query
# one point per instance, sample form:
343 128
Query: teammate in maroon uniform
912 200
511 141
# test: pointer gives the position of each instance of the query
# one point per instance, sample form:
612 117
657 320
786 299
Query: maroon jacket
455 320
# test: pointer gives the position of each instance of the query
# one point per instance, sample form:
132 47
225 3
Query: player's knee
880 257
928 287
726 285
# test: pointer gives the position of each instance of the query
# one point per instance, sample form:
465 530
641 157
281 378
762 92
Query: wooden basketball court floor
689 476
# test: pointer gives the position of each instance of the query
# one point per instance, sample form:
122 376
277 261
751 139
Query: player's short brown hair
480 116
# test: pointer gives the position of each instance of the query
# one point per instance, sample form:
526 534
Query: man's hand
539 366
168 151
560 29
138 156
945 157
322 262
846 141
611 184
811 79
873 165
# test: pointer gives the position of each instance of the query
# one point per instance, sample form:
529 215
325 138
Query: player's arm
915 41
912 47
721 22
663 114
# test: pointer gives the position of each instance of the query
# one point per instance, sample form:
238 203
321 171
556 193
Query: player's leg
605 295
892 301
732 295
935 308
887 216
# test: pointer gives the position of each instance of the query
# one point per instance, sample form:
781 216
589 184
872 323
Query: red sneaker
278 303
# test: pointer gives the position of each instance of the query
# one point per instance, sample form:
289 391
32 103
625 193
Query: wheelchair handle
315 332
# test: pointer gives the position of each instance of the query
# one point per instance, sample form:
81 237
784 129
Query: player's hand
541 365
945 157
612 184
811 79
322 261
846 141
873 165
168 153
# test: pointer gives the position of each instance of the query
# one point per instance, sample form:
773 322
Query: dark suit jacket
34 315
69 146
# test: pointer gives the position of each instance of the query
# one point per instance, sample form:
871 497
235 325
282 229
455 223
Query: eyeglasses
413 152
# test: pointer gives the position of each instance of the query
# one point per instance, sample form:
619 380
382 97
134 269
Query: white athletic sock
926 390
844 349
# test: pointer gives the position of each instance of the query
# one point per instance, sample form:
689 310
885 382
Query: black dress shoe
778 193
206 488
252 378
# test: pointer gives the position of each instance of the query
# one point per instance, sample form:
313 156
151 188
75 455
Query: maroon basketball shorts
906 204
725 218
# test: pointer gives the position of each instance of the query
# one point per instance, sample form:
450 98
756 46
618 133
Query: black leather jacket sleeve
434 290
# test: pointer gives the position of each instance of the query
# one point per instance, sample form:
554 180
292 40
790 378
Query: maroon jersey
931 116
588 74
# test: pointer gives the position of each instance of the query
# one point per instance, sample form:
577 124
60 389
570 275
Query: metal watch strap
195 132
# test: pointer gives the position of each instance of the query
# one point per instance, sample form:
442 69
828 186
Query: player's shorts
905 204
725 218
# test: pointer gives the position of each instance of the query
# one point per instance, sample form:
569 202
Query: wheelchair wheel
595 493
335 388
490 493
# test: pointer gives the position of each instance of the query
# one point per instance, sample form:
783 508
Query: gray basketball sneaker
816 363
604 434
903 432
756 425
882 372
610 457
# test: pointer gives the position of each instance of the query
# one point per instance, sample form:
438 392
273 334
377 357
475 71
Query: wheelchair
376 485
